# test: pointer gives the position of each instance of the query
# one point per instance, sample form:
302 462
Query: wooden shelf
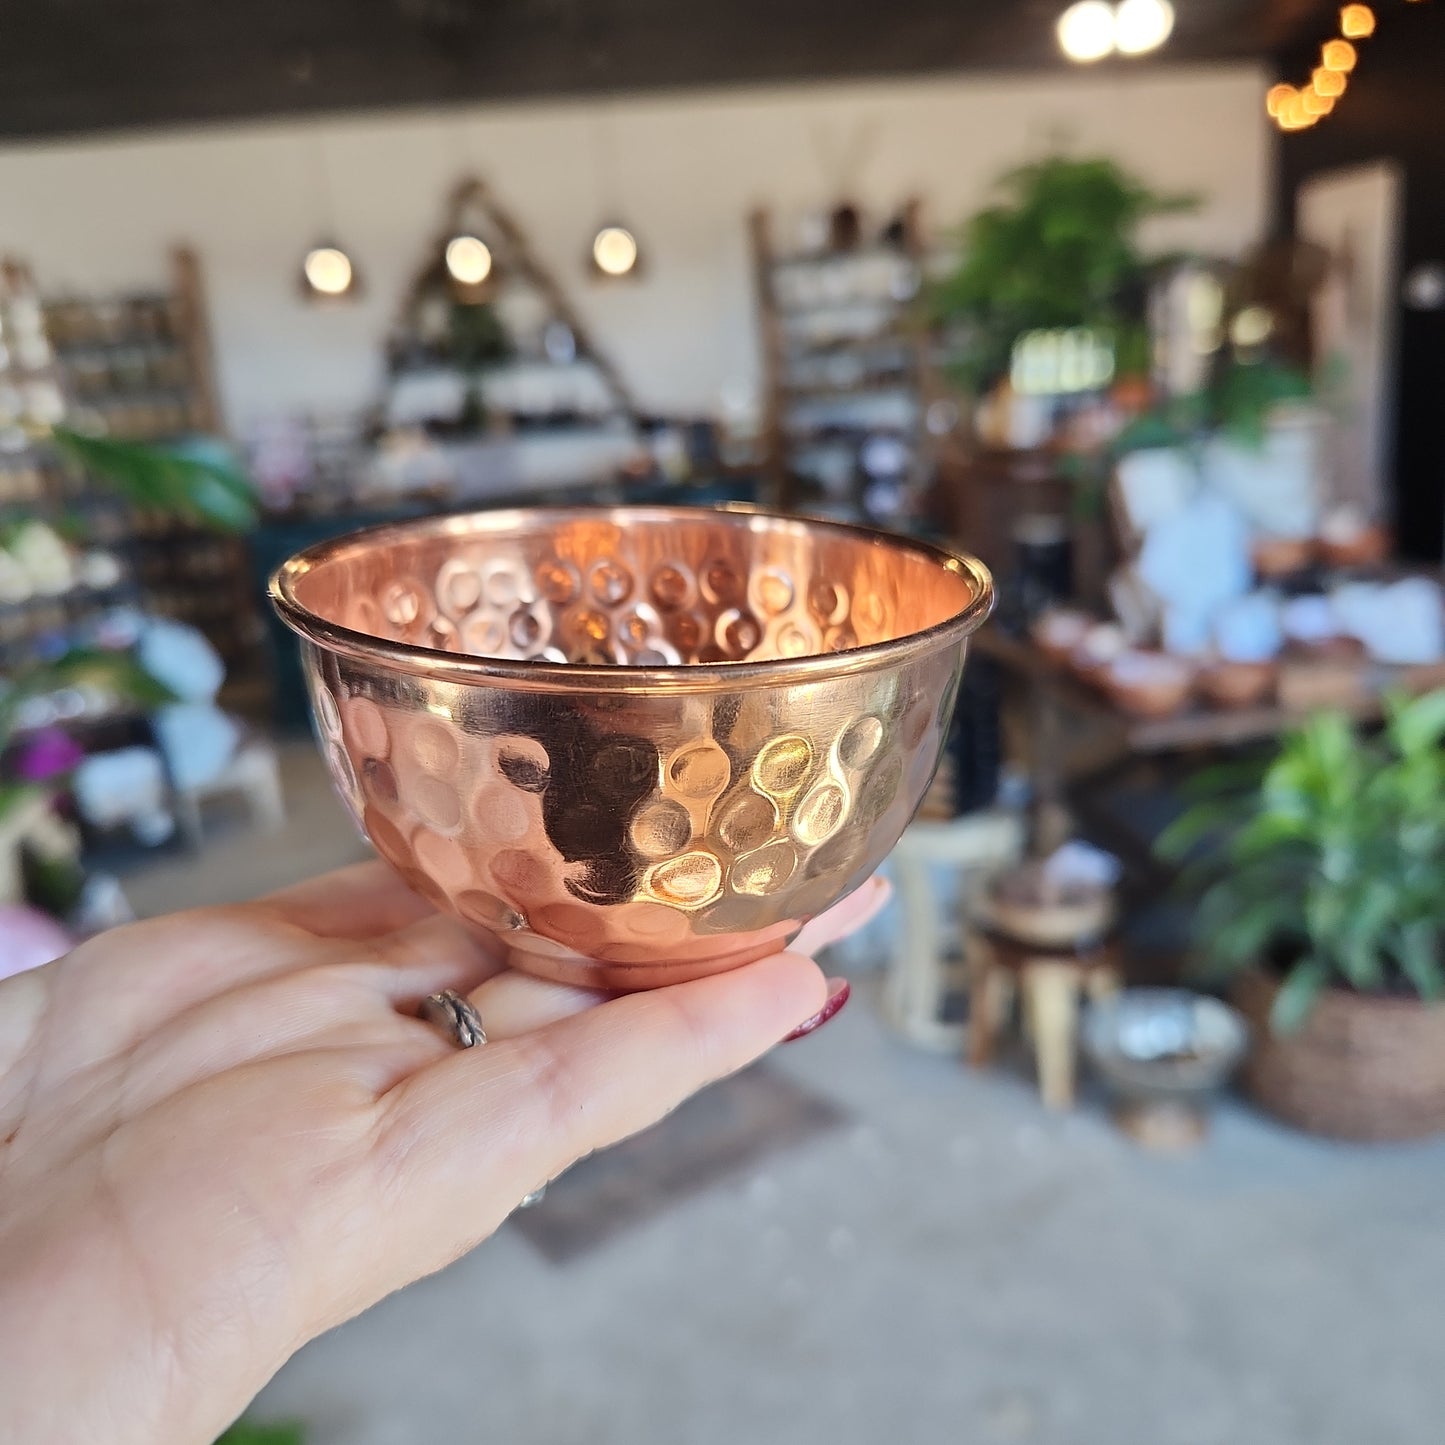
787 347
171 567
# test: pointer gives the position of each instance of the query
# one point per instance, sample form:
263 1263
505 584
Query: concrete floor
955 1265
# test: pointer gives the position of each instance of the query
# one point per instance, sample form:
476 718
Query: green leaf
1417 725
245 1433
1242 939
16 795
198 479
117 673
1297 995
1191 828
1420 959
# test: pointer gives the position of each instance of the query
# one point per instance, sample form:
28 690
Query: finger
435 953
362 901
513 1003
856 911
461 1142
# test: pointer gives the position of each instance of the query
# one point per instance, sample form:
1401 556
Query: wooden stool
921 977
1049 980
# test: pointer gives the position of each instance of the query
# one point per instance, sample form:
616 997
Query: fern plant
1333 864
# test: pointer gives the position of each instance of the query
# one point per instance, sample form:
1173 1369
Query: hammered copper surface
637 746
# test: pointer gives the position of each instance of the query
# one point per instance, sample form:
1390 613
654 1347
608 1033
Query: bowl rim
548 676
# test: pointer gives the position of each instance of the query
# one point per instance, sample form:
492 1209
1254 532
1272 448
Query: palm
222 1133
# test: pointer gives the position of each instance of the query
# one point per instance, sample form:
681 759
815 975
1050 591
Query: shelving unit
138 367
498 387
847 372
35 485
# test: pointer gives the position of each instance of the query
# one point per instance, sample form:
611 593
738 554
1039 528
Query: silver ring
456 1017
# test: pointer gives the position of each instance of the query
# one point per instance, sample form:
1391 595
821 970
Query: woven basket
1360 1068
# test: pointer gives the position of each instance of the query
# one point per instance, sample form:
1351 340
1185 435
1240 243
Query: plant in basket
1323 899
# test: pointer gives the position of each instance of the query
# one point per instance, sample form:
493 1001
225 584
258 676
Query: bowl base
542 958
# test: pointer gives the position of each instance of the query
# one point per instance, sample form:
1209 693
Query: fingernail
839 991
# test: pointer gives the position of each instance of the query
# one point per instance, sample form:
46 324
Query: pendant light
614 251
1142 25
328 273
1086 31
615 254
468 259
1091 30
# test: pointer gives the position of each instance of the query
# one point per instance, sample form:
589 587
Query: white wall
99 216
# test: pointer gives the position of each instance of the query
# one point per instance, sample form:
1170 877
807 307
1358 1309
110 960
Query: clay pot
1360 1067
1226 684
1276 557
1338 648
1149 684
1366 548
1133 394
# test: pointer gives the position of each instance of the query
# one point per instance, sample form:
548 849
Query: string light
1357 22
1294 108
1279 96
1294 116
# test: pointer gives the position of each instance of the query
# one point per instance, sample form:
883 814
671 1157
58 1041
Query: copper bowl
635 745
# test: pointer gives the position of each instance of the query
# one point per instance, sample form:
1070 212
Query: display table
1080 738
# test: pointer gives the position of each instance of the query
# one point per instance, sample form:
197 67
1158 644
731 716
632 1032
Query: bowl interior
643 588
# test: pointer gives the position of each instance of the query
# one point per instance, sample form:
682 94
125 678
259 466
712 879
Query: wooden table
1061 704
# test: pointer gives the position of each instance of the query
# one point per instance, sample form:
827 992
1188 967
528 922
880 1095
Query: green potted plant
1059 251
1325 906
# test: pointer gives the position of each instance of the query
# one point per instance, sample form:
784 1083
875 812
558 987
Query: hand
224 1132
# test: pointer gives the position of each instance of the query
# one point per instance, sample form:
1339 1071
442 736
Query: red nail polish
839 992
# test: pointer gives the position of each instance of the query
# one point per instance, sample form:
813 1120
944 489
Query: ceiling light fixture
614 251
1142 25
1086 31
327 271
468 259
